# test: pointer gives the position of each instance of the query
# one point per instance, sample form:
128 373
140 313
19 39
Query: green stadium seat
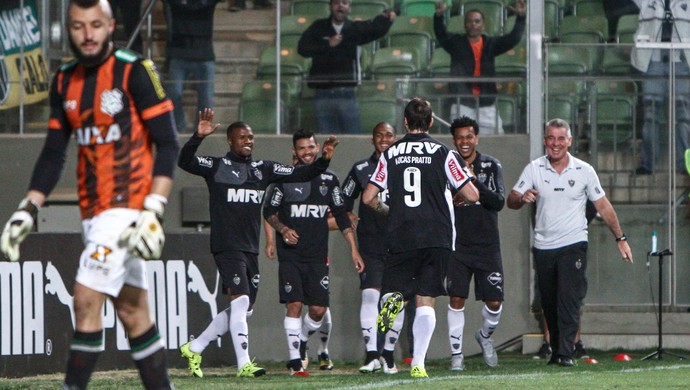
375 110
456 24
626 28
418 8
588 7
512 62
367 9
552 18
422 42
404 23
617 60
440 64
317 8
567 60
258 106
293 69
292 27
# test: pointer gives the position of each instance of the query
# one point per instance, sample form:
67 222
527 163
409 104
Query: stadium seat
258 106
367 9
405 23
617 60
552 18
456 24
292 27
439 65
588 7
511 102
567 60
494 14
373 110
418 8
596 26
626 28
422 42
293 69
317 8
614 114
391 63
512 62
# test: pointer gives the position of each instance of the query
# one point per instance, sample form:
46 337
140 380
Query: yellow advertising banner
20 44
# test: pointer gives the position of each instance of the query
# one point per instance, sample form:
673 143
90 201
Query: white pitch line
400 382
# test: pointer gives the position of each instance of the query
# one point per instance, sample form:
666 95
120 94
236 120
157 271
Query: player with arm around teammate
299 214
236 184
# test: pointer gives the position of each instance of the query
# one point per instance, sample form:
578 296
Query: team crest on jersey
323 189
258 174
482 177
111 102
287 288
324 282
236 280
101 253
69 105
578 264
255 280
571 182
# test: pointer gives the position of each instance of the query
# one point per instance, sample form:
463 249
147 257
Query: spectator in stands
333 45
190 53
129 13
663 21
614 9
473 54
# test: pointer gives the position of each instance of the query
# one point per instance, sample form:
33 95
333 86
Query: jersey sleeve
526 180
273 201
281 173
594 189
456 171
155 109
351 189
337 206
196 165
380 176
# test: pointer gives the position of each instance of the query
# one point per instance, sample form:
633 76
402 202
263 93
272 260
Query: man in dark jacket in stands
333 44
473 54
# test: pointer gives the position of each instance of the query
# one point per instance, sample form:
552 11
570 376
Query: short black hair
237 125
418 114
85 3
384 123
302 134
464 121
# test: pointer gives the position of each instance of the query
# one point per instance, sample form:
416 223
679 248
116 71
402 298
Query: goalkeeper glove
145 237
17 228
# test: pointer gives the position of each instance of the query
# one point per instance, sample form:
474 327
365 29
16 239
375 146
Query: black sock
83 355
388 357
150 358
371 355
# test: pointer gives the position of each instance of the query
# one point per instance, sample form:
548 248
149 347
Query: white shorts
490 121
105 266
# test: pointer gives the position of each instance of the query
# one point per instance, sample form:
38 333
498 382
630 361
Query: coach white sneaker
457 362
487 345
